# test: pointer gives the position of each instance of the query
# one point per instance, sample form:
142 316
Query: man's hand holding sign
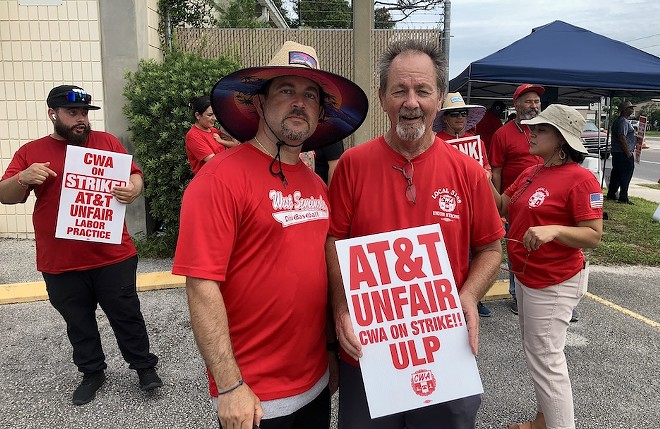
405 320
95 191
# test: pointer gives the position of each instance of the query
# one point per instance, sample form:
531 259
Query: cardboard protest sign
471 146
88 211
406 313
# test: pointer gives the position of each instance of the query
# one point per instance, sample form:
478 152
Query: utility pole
363 24
445 37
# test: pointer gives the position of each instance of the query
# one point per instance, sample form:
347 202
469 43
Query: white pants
544 316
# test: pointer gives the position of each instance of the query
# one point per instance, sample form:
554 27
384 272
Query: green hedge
157 110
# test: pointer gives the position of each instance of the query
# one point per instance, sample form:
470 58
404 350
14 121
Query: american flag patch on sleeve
596 201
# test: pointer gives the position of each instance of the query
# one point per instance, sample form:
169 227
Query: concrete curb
36 291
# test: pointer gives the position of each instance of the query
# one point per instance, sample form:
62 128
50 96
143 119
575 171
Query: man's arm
481 275
343 325
14 189
497 178
239 408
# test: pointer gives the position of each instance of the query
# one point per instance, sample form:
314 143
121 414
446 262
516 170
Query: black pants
315 415
75 295
354 410
621 175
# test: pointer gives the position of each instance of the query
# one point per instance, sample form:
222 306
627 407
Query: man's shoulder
364 149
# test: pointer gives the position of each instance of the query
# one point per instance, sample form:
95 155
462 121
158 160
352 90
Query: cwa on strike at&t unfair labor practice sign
88 211
406 313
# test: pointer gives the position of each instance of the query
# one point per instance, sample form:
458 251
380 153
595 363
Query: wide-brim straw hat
568 121
454 101
344 103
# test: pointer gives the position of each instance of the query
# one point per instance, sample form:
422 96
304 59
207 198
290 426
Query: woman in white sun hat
555 210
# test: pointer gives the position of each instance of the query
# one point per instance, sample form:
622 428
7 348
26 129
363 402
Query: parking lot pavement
613 354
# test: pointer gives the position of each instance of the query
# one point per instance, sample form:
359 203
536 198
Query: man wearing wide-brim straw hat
253 226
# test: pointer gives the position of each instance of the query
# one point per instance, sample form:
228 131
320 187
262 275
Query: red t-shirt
199 145
559 195
487 127
367 196
265 244
446 136
509 150
57 255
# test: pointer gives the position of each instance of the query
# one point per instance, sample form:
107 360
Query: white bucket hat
566 119
454 101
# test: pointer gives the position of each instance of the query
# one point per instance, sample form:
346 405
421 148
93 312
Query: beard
529 114
411 132
290 134
70 135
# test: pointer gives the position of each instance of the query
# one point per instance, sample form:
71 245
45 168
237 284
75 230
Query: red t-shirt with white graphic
558 195
509 150
368 196
264 244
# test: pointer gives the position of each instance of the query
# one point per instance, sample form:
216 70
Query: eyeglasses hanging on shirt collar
408 170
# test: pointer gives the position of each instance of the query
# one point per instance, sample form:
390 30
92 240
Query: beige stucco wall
45 46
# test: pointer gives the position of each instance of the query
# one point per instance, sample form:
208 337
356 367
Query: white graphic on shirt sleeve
293 209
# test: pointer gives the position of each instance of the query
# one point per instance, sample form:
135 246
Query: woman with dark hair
555 210
203 140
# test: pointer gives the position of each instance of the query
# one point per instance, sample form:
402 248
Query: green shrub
158 94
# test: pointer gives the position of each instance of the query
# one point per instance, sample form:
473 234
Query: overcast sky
482 27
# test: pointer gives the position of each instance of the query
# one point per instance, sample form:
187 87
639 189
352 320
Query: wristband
18 179
240 383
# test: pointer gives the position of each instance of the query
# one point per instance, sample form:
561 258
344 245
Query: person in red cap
80 275
509 149
254 221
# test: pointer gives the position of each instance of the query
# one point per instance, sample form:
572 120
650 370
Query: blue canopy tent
575 65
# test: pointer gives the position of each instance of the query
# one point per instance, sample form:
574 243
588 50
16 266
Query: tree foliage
405 8
158 94
239 14
339 14
325 14
175 13
383 19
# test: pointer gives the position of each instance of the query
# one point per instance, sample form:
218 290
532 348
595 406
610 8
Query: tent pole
608 139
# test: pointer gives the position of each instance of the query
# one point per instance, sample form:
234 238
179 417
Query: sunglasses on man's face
462 113
78 97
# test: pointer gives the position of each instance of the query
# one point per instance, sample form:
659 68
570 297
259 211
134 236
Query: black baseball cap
69 96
